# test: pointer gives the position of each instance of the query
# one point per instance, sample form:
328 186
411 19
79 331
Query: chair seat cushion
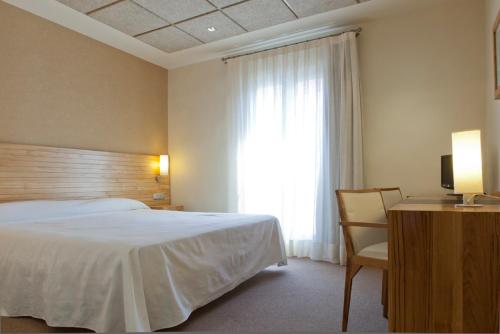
376 251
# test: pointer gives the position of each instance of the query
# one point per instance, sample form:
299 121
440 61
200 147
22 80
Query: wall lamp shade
164 165
467 163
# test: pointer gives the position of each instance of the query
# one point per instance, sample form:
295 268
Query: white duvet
116 265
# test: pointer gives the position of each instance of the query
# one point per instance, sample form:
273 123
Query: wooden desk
444 266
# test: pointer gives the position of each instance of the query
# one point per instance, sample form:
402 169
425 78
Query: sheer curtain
297 137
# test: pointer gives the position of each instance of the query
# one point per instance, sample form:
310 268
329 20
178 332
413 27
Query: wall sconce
163 167
467 165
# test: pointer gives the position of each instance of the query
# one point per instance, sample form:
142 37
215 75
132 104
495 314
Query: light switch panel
158 196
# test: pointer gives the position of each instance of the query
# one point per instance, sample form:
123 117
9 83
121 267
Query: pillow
41 210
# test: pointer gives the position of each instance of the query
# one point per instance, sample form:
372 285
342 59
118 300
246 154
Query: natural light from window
278 161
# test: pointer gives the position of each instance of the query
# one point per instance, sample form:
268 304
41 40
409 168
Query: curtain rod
356 30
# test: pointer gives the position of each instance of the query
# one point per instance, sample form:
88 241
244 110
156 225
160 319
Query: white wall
492 105
423 77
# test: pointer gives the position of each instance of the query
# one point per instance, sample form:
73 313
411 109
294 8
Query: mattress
116 265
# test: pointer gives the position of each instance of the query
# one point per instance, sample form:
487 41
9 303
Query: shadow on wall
495 172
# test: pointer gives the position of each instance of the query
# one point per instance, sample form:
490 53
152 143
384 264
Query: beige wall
198 132
492 105
60 88
423 77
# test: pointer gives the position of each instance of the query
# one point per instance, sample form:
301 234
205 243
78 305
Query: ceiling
174 25
175 33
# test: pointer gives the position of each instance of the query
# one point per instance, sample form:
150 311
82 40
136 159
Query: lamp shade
467 162
163 164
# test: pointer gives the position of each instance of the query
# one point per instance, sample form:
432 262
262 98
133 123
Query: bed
116 265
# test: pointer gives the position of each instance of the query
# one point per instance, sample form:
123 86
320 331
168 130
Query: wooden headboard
38 172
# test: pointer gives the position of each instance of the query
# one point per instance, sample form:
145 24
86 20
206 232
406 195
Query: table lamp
467 165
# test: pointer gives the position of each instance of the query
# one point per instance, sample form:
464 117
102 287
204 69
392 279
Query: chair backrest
391 196
364 206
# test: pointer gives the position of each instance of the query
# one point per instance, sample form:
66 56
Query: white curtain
297 138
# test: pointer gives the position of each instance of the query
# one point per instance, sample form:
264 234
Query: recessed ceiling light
211 29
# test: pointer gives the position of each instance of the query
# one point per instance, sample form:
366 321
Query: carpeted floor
303 296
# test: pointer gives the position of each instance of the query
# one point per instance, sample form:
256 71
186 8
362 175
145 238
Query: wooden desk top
445 204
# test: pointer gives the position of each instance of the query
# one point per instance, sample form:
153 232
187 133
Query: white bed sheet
129 269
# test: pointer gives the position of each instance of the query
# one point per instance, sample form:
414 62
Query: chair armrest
364 224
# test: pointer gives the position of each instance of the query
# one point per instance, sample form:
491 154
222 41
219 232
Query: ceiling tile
176 10
85 6
128 17
305 8
224 3
169 39
257 14
198 27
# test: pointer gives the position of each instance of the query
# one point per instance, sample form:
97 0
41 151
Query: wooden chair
391 196
364 223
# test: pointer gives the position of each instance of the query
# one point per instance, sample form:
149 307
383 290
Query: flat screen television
447 171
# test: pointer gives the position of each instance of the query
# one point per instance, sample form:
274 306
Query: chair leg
385 292
350 272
